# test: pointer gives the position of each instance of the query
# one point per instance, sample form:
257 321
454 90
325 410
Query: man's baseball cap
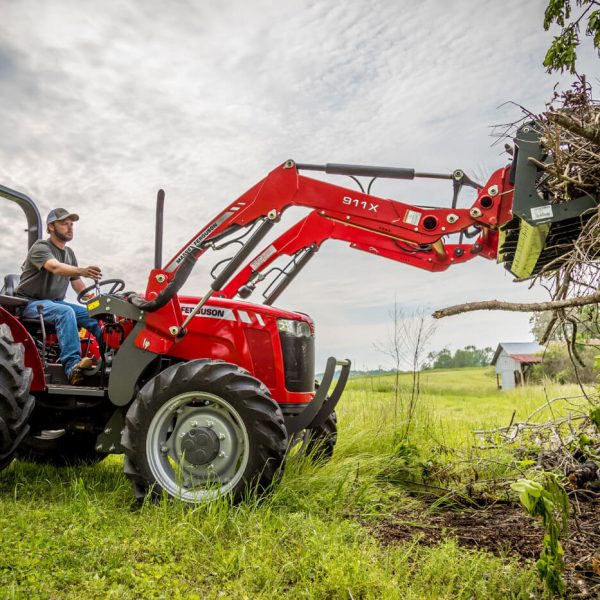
58 214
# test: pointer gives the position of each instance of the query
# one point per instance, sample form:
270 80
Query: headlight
295 328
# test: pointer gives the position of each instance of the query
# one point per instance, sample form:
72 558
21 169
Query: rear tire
203 429
61 450
16 403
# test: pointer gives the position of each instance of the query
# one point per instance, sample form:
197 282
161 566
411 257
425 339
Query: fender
32 356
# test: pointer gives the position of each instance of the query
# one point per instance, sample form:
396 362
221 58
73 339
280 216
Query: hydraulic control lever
40 311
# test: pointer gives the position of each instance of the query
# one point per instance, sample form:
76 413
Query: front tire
16 403
317 443
322 439
203 429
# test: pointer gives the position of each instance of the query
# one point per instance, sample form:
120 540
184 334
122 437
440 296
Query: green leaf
593 26
556 12
595 417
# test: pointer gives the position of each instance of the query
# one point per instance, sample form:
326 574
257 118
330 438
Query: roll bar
34 221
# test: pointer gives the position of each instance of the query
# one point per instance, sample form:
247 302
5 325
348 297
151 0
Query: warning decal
412 217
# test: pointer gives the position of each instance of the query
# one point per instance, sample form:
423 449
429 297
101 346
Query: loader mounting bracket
322 405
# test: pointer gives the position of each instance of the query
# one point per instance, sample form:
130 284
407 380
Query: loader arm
517 223
304 239
285 187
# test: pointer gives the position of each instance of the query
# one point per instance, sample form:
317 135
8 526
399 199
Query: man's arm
58 268
78 285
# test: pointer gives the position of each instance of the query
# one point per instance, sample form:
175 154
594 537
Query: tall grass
77 533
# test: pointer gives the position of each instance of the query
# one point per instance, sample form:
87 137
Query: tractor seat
8 300
13 304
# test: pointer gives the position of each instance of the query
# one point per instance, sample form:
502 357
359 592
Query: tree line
469 356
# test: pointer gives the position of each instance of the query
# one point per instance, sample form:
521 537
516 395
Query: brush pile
570 134
568 172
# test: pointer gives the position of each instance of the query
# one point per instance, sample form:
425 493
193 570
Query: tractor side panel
32 356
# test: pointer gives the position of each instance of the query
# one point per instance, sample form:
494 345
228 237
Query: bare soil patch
501 529
505 530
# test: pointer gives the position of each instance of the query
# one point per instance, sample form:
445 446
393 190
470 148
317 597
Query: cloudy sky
103 103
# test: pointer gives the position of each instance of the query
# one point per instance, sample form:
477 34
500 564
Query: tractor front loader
205 394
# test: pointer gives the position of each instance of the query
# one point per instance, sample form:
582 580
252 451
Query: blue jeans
67 319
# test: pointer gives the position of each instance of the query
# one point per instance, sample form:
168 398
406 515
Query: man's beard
63 237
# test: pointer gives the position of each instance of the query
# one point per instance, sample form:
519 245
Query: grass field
76 532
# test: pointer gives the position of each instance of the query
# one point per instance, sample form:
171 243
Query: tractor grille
298 362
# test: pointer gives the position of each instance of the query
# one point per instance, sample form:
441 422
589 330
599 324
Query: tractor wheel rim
197 447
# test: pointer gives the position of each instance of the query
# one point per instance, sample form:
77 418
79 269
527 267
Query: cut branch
589 132
552 171
517 306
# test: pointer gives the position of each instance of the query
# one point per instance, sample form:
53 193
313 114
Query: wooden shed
512 360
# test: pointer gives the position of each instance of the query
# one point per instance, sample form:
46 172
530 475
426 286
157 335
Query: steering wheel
117 285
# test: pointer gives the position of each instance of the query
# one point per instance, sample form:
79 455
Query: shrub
558 366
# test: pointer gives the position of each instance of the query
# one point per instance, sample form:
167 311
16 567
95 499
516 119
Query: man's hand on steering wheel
92 272
117 285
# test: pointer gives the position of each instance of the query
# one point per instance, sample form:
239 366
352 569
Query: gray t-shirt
36 282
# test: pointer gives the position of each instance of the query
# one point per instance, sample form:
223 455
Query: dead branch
517 306
588 131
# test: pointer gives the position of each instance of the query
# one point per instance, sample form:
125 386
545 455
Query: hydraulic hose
187 264
164 296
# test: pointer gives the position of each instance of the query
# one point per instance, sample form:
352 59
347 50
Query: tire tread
248 395
16 403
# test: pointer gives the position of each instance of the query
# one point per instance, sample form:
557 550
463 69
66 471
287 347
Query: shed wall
505 368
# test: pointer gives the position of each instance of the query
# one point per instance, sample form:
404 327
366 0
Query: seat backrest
11 282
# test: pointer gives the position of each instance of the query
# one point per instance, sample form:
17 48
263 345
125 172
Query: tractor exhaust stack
158 233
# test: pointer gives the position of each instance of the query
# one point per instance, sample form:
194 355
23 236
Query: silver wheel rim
171 427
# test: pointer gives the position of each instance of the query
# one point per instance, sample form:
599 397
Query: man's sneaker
76 374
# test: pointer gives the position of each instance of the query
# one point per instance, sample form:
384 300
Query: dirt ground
505 529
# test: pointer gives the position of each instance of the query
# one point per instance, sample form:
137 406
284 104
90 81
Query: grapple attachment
541 231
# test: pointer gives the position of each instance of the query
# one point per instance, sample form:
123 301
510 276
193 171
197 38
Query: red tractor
204 395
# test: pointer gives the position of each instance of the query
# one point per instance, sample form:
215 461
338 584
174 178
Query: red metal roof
526 358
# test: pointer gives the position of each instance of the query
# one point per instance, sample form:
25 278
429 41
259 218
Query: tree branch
553 171
516 306
589 132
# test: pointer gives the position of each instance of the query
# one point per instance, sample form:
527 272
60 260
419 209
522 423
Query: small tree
418 331
394 348
406 345
557 365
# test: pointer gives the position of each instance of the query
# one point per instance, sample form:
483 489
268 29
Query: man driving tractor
45 276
